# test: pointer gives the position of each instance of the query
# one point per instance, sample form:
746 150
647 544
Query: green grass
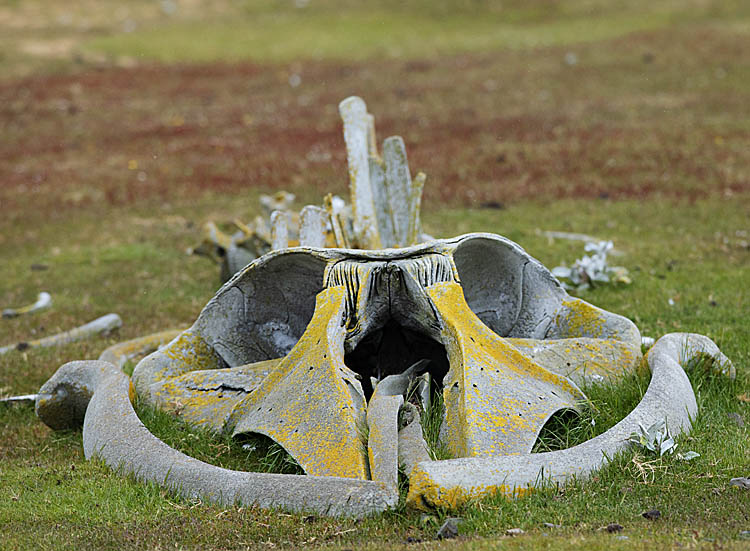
644 141
46 479
346 35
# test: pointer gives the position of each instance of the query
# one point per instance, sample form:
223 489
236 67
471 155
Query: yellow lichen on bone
582 319
581 359
206 398
312 404
496 398
426 495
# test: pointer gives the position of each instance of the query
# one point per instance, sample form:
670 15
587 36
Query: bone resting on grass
669 398
43 301
99 395
354 348
99 326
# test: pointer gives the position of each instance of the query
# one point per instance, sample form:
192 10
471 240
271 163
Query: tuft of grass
254 452
608 403
431 420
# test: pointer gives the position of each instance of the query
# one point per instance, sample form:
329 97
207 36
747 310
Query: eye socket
511 292
491 274
261 313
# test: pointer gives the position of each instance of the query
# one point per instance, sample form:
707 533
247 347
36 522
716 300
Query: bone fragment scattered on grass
19 399
101 325
44 300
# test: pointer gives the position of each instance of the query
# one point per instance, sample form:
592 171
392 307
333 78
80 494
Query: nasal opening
391 349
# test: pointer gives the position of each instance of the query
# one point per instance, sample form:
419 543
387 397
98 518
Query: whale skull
308 346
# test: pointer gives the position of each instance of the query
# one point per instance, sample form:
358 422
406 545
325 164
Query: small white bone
279 230
44 300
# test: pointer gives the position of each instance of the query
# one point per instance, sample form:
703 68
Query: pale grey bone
261 313
101 325
312 226
230 385
572 357
414 234
113 433
382 442
412 448
43 301
236 259
356 130
423 390
279 230
383 212
372 144
263 310
19 399
281 200
669 397
398 185
383 420
380 290
570 236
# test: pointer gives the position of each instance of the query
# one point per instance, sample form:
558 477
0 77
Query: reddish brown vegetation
486 129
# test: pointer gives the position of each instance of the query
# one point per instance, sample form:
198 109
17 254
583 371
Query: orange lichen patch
497 399
426 494
312 404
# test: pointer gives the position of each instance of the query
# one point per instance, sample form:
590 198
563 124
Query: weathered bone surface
104 324
491 307
113 432
669 397
335 353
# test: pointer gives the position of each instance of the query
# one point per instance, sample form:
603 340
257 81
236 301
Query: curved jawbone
266 355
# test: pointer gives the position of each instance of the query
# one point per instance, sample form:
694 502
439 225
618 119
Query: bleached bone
279 230
104 324
669 397
313 222
44 300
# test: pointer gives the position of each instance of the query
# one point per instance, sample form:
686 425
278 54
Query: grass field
125 127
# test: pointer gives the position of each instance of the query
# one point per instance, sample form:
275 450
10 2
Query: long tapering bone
100 325
99 395
44 300
669 397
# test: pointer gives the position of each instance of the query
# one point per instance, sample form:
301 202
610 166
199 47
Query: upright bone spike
415 205
336 225
372 144
383 212
312 231
356 129
279 230
398 183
